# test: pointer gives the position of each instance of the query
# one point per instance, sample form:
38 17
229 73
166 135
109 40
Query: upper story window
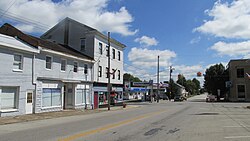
63 65
113 53
107 72
85 69
107 50
100 71
48 62
119 55
100 48
18 62
83 44
75 66
113 73
119 75
240 73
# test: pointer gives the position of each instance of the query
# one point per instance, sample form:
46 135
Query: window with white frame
51 97
100 71
83 45
113 73
48 62
100 48
113 52
107 72
63 65
75 67
119 55
119 75
82 94
85 68
9 98
18 62
107 50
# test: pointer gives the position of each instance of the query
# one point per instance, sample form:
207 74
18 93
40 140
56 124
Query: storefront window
51 97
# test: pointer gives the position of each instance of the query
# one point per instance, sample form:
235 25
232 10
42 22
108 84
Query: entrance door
29 102
96 101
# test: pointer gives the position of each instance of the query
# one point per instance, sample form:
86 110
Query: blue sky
189 35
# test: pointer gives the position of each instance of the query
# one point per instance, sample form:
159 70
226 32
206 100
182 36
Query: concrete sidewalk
50 115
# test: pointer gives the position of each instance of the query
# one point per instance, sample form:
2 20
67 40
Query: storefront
59 95
116 94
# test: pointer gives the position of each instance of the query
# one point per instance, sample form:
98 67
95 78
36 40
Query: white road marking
236 137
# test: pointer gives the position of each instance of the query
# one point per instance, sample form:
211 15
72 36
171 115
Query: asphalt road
192 120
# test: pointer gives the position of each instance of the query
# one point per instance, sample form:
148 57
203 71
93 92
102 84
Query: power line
8 8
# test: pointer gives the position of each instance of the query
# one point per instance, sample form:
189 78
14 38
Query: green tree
215 78
181 80
130 77
190 87
173 88
197 85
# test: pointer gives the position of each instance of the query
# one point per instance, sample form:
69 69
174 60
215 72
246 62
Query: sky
189 35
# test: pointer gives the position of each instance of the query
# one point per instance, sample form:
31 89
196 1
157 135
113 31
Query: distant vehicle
163 96
210 98
178 98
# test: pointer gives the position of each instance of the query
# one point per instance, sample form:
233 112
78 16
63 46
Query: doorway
29 102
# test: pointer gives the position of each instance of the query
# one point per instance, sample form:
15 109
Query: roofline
66 55
92 30
96 32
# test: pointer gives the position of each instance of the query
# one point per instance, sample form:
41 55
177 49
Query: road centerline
110 126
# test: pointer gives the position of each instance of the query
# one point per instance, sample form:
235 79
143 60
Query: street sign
140 83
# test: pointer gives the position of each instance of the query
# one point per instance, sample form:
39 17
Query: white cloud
229 20
146 58
195 40
91 12
232 49
147 41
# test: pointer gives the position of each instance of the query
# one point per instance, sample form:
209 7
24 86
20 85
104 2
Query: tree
173 88
197 85
129 77
181 80
215 78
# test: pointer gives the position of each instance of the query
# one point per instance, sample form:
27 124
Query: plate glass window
18 62
48 62
51 97
8 97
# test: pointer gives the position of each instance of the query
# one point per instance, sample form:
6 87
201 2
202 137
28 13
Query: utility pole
170 84
157 97
109 85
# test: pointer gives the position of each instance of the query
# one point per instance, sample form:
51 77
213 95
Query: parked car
178 98
163 96
211 98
